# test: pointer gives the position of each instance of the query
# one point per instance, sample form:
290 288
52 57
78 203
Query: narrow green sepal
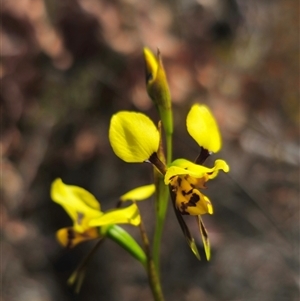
126 241
204 236
77 279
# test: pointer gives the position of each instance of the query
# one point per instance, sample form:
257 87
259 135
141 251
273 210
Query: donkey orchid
135 138
88 220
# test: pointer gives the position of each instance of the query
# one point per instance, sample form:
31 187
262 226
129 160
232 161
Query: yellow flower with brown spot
186 178
86 214
134 138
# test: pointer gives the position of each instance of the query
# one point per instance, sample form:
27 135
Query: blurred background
68 65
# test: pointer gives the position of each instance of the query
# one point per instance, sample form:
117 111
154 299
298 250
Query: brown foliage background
67 66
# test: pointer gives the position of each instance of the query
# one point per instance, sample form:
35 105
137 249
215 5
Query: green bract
158 88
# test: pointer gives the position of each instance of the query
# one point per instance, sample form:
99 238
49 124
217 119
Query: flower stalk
153 276
158 90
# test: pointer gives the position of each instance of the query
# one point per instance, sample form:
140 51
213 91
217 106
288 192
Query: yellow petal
69 238
210 209
128 215
185 167
133 136
139 194
189 200
219 165
78 203
203 127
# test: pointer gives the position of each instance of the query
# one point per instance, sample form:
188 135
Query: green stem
151 269
169 148
162 195
162 205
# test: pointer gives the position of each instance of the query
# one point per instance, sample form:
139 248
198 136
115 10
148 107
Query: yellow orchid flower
185 179
86 214
133 136
203 128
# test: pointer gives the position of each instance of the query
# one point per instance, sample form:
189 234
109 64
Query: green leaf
126 241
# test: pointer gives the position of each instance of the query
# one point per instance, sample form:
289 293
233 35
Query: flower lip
187 199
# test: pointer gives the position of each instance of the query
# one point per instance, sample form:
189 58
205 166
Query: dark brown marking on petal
85 234
184 193
187 177
70 236
194 199
179 181
183 207
192 202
